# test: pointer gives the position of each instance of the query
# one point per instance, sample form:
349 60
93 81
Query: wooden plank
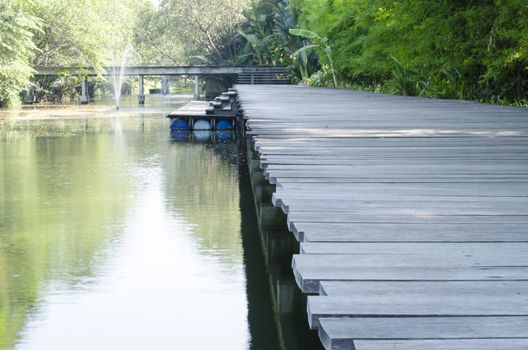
442 344
336 190
392 142
400 218
404 206
273 162
415 305
502 207
346 180
423 288
341 333
396 180
191 108
409 232
310 270
491 253
402 168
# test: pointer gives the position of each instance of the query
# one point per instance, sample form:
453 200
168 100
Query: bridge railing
263 75
258 73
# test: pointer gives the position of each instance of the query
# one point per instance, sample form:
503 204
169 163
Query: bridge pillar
165 85
29 96
141 97
196 87
84 91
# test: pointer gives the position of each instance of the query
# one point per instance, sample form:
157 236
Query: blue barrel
180 124
180 135
224 136
224 124
202 124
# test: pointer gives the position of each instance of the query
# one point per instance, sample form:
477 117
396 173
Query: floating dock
220 114
411 214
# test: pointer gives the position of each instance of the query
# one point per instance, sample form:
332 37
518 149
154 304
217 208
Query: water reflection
266 224
116 235
202 136
112 232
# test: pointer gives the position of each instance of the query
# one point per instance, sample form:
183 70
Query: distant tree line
438 48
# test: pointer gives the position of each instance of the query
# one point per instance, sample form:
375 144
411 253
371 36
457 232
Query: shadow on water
271 246
277 316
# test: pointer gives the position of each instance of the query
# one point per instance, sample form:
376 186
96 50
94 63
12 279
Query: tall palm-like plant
317 42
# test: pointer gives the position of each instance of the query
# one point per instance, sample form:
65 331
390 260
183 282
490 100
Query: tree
205 26
81 35
155 41
17 28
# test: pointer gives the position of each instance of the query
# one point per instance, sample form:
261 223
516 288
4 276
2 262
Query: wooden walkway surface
411 213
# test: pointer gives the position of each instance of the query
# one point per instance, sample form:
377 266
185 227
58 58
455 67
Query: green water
113 236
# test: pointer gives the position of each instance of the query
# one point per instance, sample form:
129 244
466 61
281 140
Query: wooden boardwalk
411 213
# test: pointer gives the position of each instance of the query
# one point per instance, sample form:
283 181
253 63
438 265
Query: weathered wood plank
310 270
409 232
315 204
404 206
421 288
415 305
333 190
401 218
341 333
442 344
490 253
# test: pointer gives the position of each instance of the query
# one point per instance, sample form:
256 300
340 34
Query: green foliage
155 42
81 34
404 81
59 33
205 29
437 48
322 78
17 28
444 48
265 30
318 42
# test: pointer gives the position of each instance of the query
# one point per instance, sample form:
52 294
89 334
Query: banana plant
318 41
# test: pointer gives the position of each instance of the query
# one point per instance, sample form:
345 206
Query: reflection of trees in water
201 186
61 204
19 128
65 187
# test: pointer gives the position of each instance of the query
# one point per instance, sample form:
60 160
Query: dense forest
469 49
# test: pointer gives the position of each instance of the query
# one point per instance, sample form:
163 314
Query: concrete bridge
244 75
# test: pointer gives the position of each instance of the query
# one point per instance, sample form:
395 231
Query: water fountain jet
118 62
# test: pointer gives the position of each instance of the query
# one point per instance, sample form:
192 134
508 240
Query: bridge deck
162 70
412 214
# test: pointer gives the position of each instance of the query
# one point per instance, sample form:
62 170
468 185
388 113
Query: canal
115 235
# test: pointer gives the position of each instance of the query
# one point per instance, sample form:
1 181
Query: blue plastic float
180 124
202 124
224 124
